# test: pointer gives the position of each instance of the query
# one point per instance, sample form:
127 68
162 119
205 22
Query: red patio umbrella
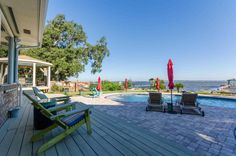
170 76
99 86
126 85
158 84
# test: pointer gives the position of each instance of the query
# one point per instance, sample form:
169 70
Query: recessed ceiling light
26 31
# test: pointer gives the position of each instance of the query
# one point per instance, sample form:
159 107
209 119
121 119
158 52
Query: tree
3 52
162 84
179 86
65 46
130 84
152 83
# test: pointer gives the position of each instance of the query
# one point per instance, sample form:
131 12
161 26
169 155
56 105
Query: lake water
188 85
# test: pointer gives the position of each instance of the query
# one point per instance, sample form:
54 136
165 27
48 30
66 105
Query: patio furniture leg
88 123
58 138
40 134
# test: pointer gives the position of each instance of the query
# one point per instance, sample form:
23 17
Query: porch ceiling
26 19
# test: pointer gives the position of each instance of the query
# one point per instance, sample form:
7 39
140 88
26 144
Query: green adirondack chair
69 120
41 95
95 92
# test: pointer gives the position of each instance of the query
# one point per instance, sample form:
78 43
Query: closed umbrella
126 85
170 76
158 84
99 86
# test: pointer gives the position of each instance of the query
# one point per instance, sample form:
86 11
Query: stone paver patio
209 135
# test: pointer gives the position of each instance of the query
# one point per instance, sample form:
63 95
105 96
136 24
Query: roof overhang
24 60
26 19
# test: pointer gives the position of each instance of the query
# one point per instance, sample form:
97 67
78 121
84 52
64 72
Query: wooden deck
111 136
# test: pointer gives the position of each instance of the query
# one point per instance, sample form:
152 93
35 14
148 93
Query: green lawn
88 93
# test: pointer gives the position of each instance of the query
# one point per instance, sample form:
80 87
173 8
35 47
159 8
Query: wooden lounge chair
189 104
41 95
68 119
155 102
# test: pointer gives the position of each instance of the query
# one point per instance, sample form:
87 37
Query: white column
34 74
49 77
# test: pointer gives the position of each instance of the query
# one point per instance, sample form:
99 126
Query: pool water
207 101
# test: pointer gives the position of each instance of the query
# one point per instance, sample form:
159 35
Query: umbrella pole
171 96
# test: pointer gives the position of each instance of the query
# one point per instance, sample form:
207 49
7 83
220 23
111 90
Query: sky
198 35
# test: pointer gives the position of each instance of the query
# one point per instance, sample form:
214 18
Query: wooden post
34 74
75 86
49 77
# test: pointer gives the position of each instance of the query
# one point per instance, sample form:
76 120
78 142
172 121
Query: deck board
136 142
122 140
26 147
134 135
138 132
72 146
18 138
96 146
111 136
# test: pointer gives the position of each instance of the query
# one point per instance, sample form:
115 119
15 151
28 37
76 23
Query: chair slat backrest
189 99
39 93
155 98
35 102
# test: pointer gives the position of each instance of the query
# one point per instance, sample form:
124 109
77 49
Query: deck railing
10 95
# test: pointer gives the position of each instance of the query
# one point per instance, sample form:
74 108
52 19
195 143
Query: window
4 36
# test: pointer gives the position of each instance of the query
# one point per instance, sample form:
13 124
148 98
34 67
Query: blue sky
199 36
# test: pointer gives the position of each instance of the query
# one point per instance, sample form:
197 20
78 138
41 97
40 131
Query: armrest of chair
60 107
63 98
82 109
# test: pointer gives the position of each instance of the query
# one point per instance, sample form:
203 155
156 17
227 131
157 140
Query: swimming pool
207 101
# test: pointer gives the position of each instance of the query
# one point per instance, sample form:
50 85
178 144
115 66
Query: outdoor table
40 121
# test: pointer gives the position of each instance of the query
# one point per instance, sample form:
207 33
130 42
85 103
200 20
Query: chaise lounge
189 104
155 102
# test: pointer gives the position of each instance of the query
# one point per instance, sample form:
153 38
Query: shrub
162 85
56 88
152 82
179 86
107 86
92 85
130 84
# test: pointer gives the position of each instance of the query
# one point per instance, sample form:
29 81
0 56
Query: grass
88 93
218 93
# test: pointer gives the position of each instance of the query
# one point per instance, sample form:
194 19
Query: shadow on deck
111 136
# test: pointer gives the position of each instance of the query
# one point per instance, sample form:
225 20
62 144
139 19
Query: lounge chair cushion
73 119
155 98
189 99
